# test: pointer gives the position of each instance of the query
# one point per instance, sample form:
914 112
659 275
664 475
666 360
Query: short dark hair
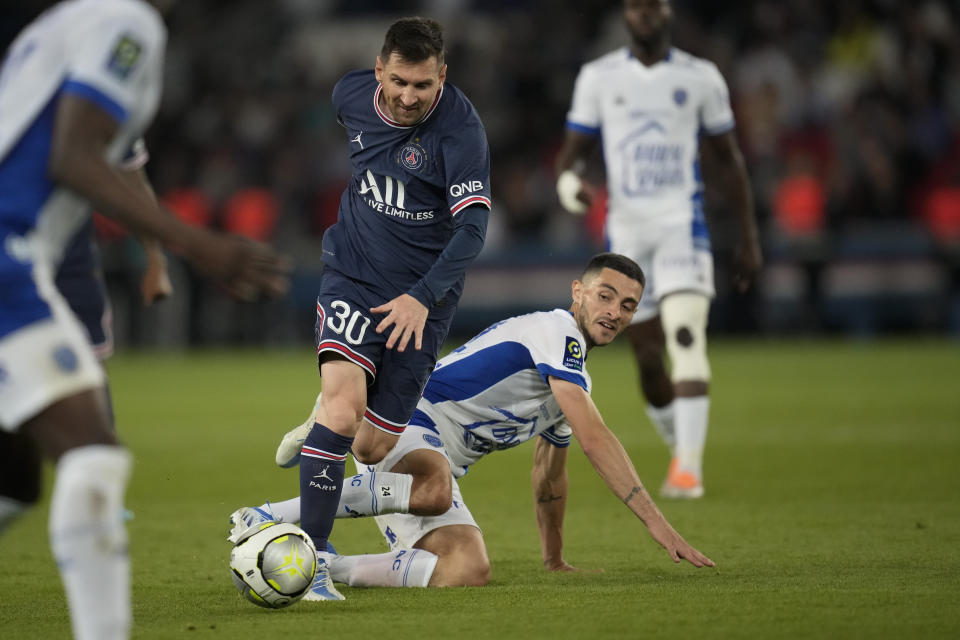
414 40
617 262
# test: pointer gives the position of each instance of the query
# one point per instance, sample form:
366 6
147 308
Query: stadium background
848 115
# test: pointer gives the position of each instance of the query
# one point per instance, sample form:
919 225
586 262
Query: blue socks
322 462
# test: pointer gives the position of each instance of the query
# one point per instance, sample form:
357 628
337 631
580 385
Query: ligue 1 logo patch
124 57
573 355
412 156
680 96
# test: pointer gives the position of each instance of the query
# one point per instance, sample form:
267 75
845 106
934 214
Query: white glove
568 186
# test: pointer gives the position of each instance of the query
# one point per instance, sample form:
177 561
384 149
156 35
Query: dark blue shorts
345 328
80 280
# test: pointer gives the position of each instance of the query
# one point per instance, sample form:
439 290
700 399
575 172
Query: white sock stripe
406 571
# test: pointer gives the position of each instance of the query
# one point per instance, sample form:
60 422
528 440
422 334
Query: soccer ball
274 564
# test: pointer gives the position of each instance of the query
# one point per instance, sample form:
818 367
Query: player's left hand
408 317
678 548
563 566
155 284
747 261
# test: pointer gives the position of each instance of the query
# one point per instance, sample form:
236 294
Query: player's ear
378 70
443 73
576 291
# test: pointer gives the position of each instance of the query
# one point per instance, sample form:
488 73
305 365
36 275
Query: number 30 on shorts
350 324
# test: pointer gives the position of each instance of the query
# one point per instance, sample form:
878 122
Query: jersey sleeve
558 353
115 57
584 115
466 162
716 116
558 435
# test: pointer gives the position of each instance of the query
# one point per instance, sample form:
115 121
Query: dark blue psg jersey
408 184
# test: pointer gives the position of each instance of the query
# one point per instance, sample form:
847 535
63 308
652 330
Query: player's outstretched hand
676 546
747 260
408 317
249 270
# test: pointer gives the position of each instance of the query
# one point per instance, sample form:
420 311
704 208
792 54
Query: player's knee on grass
461 569
462 556
684 317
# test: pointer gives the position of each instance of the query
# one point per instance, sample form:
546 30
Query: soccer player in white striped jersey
654 106
78 86
521 378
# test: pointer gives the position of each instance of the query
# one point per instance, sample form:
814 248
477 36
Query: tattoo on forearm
630 495
547 498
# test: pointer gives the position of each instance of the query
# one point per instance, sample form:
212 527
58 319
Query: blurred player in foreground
653 102
78 87
412 218
520 378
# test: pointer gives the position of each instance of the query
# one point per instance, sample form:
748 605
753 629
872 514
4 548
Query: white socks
404 568
366 494
690 420
375 493
9 510
89 540
663 421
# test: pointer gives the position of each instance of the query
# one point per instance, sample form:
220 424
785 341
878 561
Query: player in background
654 105
413 216
78 87
521 378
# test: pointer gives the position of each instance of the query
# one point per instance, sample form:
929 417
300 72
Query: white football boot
288 453
246 518
323 588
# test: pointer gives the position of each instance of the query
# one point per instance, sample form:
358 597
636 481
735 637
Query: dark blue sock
322 461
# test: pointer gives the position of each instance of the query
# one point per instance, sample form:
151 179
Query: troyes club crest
573 355
412 156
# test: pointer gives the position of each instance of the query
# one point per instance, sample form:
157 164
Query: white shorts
44 362
672 260
404 530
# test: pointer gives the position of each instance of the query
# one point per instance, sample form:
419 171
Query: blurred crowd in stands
848 114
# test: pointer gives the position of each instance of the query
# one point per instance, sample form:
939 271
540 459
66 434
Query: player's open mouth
607 325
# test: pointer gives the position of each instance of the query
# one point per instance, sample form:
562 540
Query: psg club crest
412 156
680 96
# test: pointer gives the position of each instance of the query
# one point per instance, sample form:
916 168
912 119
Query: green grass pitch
832 508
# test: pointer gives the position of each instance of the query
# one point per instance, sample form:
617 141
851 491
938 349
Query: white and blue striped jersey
107 51
650 120
494 393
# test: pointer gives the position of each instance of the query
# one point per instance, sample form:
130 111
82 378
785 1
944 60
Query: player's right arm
580 139
82 132
610 460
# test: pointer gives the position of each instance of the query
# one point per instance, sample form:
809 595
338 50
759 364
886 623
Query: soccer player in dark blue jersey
412 218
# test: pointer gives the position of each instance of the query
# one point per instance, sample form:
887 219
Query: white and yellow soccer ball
273 564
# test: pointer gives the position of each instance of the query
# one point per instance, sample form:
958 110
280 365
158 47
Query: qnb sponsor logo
465 188
386 195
